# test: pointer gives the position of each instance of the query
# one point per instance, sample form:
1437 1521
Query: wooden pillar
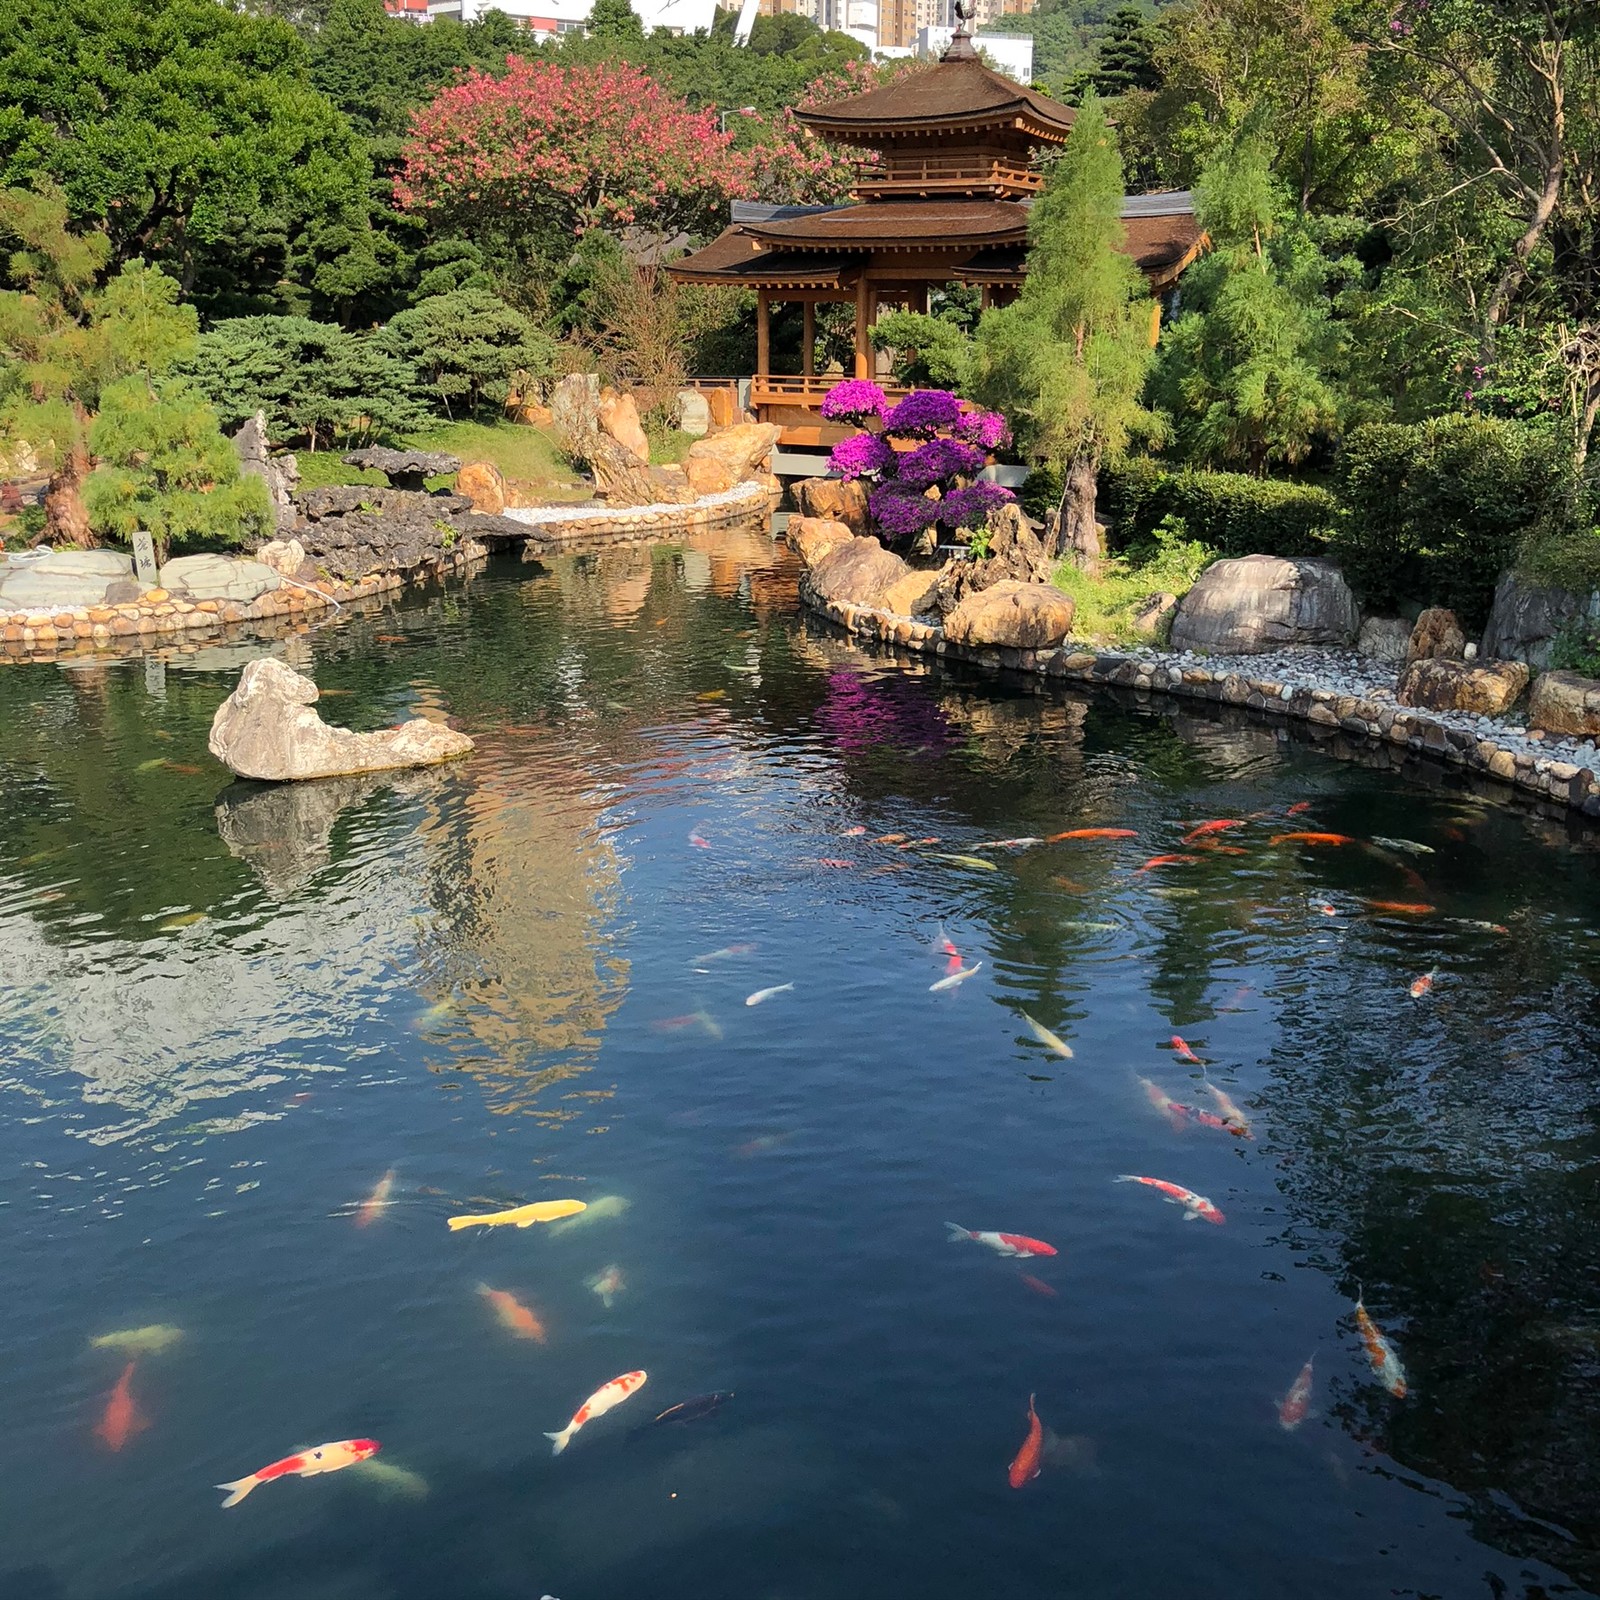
808 340
866 297
763 335
985 297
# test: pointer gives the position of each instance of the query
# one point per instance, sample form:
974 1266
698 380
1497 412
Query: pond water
228 1012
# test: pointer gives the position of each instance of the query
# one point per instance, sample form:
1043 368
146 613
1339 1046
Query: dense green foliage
1439 508
468 346
1233 513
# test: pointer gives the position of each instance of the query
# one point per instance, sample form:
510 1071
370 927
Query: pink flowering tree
922 458
551 151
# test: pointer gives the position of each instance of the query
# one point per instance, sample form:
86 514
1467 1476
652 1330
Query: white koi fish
1048 1039
955 979
766 994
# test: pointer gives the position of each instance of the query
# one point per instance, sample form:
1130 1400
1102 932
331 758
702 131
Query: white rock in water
267 729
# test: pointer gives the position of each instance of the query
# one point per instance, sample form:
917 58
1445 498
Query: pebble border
558 529
1562 782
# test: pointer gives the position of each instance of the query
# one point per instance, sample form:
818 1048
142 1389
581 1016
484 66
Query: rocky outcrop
811 538
63 579
286 557
1251 604
857 573
835 500
618 418
268 729
1564 702
1384 639
1526 617
352 530
1441 684
914 595
1436 637
484 485
724 406
735 455
623 480
217 577
575 409
1016 555
1021 616
405 469
279 473
694 413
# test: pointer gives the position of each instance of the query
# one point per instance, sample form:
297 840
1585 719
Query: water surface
228 1011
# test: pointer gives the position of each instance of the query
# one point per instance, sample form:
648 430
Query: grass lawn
526 454
1106 602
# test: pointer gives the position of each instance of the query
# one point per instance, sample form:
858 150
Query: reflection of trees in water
1452 1147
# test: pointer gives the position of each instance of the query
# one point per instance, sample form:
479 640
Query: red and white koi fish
952 956
698 839
1181 1049
600 1402
1164 1103
854 833
1311 838
954 979
1171 859
1421 986
122 1418
377 1202
1295 1406
1236 1121
1025 1465
1194 1205
1204 830
1004 1244
1297 808
1092 833
307 1464
1380 1352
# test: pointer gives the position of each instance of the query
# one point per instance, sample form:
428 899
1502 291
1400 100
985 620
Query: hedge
1232 512
1435 511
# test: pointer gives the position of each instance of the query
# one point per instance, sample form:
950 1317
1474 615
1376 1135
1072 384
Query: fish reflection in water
391 1479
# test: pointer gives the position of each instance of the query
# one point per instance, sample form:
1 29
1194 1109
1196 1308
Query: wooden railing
800 391
946 173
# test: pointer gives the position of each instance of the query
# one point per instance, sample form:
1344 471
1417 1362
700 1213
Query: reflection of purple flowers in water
937 460
854 400
923 413
970 507
862 714
862 455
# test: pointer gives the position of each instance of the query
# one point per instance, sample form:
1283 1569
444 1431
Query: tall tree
1067 361
1127 54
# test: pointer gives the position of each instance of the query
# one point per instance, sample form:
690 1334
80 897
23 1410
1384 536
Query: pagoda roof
899 225
734 257
1162 243
954 95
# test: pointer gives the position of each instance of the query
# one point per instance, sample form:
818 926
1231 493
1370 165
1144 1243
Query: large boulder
618 417
484 485
279 473
1440 684
267 729
1526 617
1384 639
740 452
286 557
834 499
627 482
811 538
1024 616
724 407
214 577
857 572
1436 637
694 413
1016 555
63 580
1249 604
1564 702
575 408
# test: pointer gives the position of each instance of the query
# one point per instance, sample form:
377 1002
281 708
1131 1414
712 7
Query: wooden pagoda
941 195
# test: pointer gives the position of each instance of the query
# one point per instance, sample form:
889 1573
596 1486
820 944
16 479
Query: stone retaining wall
1561 782
556 530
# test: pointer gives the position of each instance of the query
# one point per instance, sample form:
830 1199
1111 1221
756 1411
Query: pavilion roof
734 257
956 95
1162 246
899 225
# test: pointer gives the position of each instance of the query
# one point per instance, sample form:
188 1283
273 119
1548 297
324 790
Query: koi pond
840 991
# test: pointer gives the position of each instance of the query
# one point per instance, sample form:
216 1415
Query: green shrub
1576 649
1434 511
1566 559
1232 513
1167 561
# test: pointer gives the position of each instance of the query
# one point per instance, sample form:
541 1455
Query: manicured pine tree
1067 360
1127 54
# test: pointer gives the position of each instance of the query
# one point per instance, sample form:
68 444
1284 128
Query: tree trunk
66 518
1077 532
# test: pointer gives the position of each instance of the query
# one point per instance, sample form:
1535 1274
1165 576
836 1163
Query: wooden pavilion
941 195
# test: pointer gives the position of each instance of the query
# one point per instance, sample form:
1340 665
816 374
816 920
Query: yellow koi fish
149 1341
521 1216
1048 1039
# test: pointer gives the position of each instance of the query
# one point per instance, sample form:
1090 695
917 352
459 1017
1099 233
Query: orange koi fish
1039 1286
1169 860
1181 1049
1025 1466
1205 829
854 833
698 839
1297 808
122 1418
1380 1352
517 1319
1233 1118
1421 986
1402 908
601 1401
307 1464
1311 838
1164 1103
377 1202
1295 1406
952 956
890 838
1194 1205
1092 833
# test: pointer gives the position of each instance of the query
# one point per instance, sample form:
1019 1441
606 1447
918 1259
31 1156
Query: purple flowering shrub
932 484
